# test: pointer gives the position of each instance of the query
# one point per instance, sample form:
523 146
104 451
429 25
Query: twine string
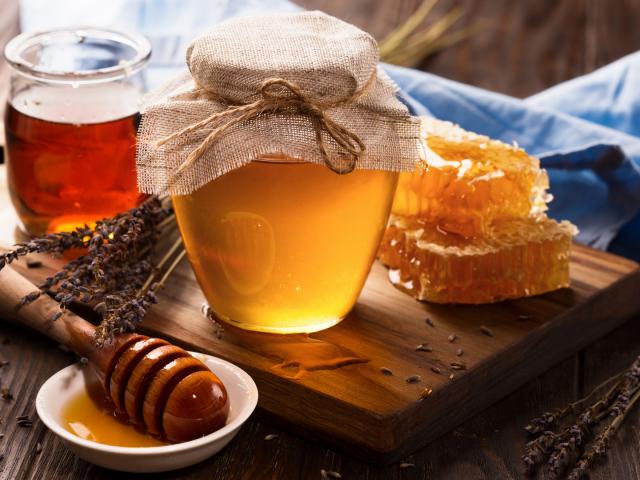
276 95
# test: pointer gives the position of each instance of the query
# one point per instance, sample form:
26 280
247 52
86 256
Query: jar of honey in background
282 246
70 126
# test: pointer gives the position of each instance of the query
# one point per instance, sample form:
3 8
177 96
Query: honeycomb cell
521 257
467 181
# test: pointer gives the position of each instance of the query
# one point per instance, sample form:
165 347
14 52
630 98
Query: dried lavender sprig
567 448
177 247
568 445
538 449
600 444
55 243
132 309
551 419
116 275
614 403
114 240
577 446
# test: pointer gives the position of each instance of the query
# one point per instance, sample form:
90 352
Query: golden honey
94 419
467 181
285 247
521 257
469 225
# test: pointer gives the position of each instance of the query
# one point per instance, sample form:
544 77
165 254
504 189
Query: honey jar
282 159
285 247
70 125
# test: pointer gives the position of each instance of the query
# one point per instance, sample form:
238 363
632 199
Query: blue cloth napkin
585 131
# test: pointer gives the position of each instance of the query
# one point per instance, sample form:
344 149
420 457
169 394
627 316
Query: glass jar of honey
282 246
282 159
70 125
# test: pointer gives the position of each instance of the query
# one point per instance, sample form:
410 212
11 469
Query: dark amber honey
62 175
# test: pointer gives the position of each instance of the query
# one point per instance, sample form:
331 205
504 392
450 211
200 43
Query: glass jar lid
83 55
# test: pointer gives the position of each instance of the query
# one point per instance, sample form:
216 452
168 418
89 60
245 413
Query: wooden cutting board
338 393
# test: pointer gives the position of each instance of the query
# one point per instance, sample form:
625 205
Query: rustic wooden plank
604 358
484 61
488 446
349 404
382 418
32 360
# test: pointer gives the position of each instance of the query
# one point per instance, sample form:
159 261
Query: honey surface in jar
74 163
470 225
285 247
466 181
94 419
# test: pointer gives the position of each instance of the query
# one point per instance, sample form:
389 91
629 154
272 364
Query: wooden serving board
382 418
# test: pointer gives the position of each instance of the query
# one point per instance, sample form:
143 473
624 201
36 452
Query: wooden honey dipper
159 386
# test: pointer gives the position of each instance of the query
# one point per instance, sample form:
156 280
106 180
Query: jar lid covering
303 86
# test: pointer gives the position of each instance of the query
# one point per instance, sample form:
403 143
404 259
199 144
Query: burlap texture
332 62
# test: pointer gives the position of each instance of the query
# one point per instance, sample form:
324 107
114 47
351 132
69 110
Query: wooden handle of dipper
69 329
159 386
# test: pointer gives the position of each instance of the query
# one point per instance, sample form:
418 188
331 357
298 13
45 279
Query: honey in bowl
285 247
92 417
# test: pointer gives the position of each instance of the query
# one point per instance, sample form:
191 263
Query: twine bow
276 95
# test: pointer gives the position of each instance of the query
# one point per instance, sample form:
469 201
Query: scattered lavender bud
486 331
426 393
31 263
458 365
6 394
329 474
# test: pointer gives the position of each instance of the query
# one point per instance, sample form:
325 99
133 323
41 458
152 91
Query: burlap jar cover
302 86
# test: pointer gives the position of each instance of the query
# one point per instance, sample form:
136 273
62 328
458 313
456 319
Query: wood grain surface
533 45
382 418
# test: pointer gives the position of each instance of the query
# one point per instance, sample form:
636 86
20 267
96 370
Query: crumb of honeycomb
466 181
470 225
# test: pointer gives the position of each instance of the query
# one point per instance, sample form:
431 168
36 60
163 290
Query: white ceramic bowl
61 387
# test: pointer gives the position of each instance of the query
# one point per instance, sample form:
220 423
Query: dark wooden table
530 45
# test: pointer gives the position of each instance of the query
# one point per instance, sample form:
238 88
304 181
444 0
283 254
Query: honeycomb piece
468 181
520 257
